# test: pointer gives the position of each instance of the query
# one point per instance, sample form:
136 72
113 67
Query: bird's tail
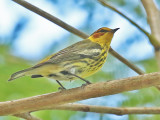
38 70
20 74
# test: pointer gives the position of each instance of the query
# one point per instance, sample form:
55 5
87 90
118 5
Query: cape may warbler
79 60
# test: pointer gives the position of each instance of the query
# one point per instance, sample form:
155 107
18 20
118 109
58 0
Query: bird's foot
87 83
61 88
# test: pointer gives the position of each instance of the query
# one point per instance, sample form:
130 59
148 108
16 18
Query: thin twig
120 13
153 17
74 31
96 109
110 110
80 93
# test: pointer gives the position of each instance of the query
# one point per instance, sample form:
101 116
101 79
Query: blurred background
26 38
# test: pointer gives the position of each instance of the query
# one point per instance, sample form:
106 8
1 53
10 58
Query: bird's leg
87 82
62 87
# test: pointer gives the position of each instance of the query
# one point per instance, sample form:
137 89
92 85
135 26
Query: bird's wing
79 50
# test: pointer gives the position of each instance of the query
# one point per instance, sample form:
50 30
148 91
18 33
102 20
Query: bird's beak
114 30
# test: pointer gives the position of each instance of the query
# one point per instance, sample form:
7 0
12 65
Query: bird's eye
102 30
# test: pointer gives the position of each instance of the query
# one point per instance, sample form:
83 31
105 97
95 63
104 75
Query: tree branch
73 30
153 16
96 109
110 110
80 93
120 13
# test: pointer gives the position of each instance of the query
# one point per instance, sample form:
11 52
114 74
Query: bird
77 61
